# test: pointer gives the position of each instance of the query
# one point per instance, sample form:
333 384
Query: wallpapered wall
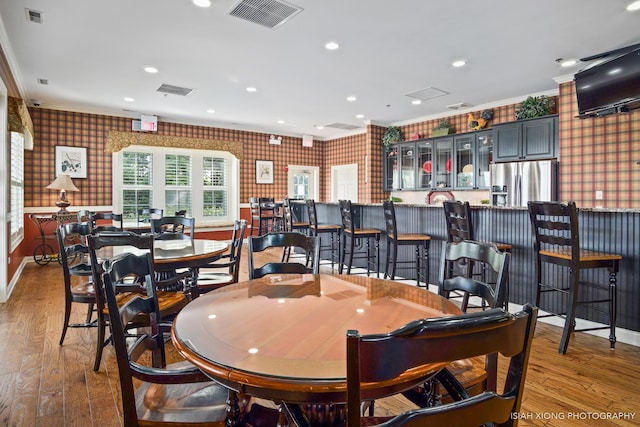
598 154
54 128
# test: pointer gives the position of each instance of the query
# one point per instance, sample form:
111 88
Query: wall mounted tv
610 87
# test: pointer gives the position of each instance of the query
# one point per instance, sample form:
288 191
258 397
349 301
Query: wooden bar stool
352 233
263 214
460 227
557 241
421 243
316 229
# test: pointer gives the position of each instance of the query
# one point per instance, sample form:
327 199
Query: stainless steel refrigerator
515 184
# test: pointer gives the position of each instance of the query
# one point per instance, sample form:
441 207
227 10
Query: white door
344 183
302 182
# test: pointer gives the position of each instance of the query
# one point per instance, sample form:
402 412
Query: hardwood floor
44 384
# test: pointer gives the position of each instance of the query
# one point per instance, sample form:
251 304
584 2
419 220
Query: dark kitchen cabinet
533 139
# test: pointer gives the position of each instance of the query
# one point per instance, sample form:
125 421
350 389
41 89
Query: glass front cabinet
452 162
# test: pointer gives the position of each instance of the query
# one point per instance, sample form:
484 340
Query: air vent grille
426 93
174 90
459 106
43 81
268 13
342 126
34 16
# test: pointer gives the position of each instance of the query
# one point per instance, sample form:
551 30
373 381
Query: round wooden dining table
283 337
170 255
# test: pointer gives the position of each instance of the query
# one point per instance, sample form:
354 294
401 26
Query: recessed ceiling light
319 127
251 89
459 63
360 116
634 6
128 99
211 111
416 102
351 98
568 63
202 3
280 122
331 45
151 70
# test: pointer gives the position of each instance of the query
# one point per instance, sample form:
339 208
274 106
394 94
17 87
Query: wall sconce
63 183
275 141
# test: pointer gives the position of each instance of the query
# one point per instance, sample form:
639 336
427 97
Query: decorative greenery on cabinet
392 135
535 106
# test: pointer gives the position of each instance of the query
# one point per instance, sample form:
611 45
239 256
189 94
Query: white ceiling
93 53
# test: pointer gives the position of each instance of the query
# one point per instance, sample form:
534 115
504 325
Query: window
16 215
202 182
214 194
177 180
137 184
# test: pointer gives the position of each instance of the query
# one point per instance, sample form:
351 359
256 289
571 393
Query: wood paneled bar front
608 230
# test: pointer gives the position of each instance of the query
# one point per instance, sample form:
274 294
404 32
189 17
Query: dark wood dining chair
170 303
145 215
178 394
291 223
488 257
319 229
353 233
310 245
114 225
557 242
460 227
173 228
380 357
395 239
71 256
264 215
225 270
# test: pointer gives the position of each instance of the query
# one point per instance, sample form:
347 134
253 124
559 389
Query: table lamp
63 183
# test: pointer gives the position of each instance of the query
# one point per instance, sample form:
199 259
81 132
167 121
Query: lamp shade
62 182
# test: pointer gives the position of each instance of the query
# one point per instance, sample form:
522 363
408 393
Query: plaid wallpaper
598 154
587 161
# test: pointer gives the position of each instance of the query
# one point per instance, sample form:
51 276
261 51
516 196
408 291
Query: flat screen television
610 87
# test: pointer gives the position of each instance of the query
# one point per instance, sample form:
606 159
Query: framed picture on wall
72 161
264 172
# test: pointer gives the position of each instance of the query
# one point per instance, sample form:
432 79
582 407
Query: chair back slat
555 226
348 215
173 228
312 214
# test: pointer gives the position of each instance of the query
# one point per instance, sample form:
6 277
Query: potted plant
392 135
443 128
535 106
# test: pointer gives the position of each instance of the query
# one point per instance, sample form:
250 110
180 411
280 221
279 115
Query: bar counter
608 230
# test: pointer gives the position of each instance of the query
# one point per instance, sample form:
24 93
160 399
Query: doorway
302 182
344 183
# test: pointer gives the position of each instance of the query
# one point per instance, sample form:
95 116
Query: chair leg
67 315
613 304
427 268
387 258
89 314
394 261
572 302
377 255
352 246
418 265
99 343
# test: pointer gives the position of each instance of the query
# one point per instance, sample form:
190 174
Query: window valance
117 140
19 118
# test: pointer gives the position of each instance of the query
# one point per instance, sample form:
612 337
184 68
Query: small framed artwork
264 172
72 161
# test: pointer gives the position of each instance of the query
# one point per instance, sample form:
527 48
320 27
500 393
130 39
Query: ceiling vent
459 106
34 16
426 93
342 126
268 13
174 90
43 81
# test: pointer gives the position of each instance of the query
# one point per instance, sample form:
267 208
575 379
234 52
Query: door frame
335 170
314 190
